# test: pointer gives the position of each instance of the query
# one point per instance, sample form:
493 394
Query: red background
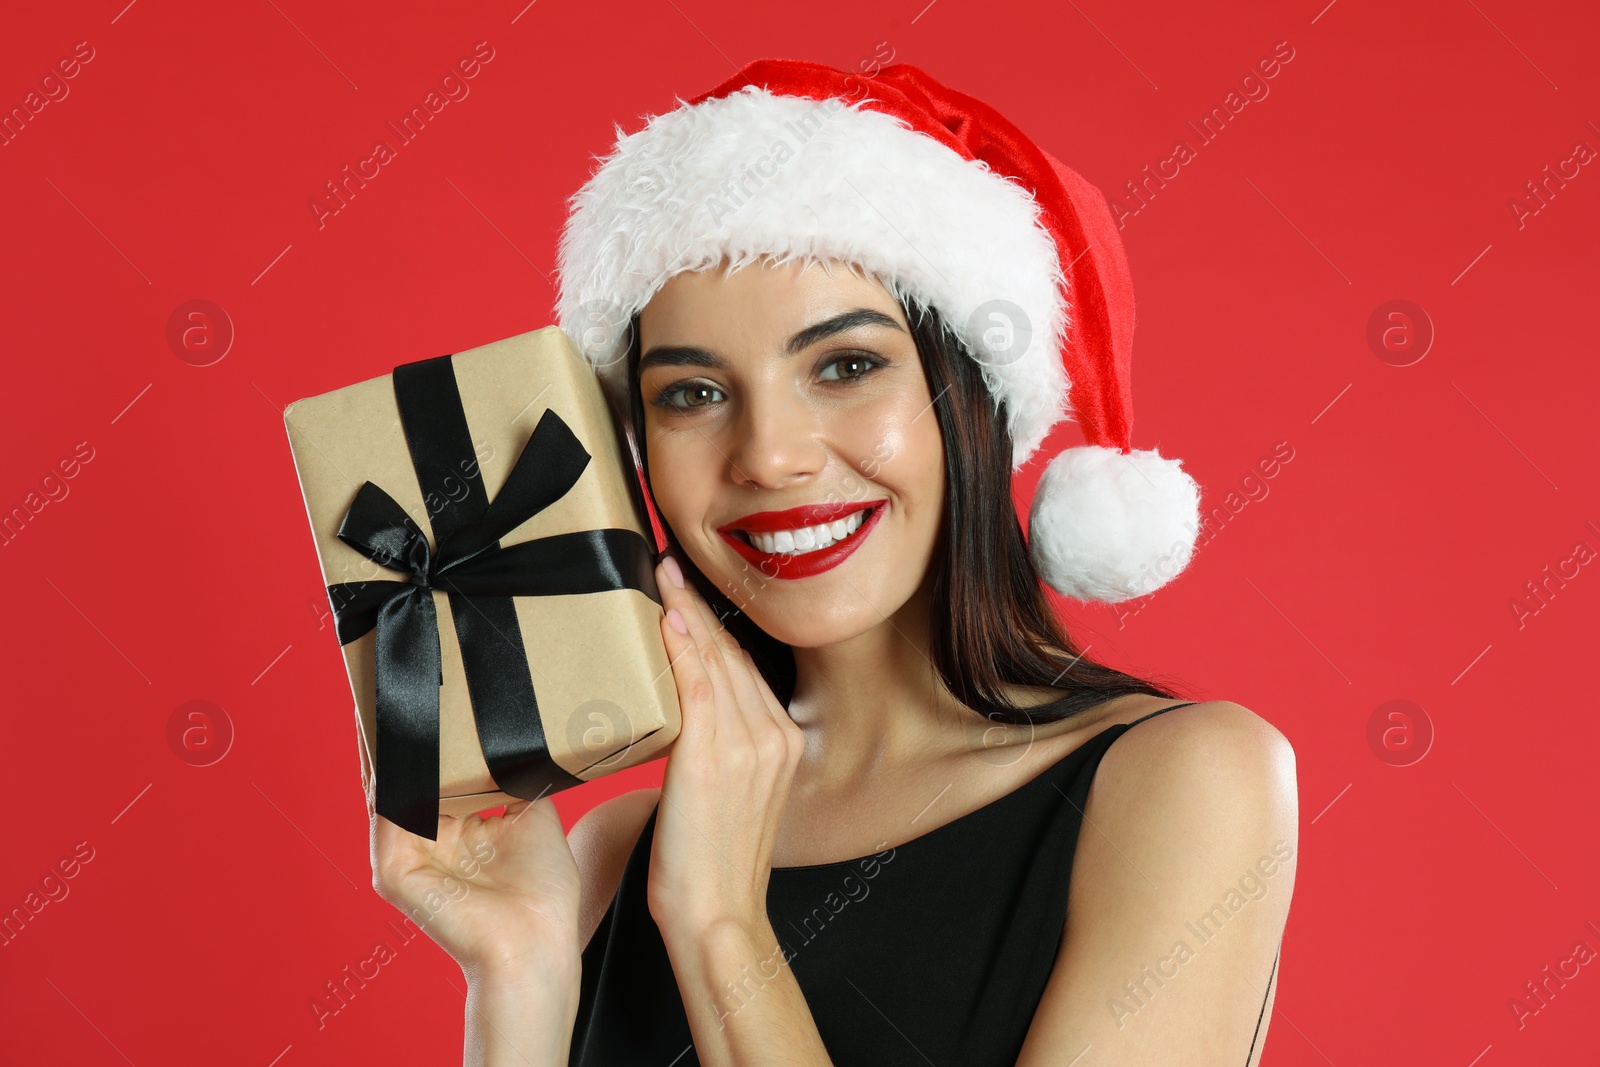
1380 564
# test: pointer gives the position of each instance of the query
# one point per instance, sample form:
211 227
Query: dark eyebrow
679 356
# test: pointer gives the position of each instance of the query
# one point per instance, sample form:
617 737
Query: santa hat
952 207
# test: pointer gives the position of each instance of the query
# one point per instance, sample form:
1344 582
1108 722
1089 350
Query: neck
876 699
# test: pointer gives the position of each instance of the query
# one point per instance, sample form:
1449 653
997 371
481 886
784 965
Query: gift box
485 554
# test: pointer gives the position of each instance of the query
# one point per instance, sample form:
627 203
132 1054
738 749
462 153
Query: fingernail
674 572
676 621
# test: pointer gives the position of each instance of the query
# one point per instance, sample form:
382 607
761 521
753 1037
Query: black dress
936 951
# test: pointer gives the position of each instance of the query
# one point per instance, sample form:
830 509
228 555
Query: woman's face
773 388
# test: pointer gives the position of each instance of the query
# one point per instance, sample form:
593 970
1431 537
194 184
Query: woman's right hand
499 894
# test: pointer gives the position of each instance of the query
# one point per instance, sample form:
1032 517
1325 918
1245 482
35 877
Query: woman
866 846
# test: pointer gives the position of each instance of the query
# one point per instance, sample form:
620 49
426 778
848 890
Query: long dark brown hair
999 629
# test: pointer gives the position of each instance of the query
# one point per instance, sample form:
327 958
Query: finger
754 696
746 703
768 697
395 852
713 660
749 686
696 691
727 667
768 723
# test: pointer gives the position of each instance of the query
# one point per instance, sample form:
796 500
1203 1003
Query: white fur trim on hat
754 174
1108 525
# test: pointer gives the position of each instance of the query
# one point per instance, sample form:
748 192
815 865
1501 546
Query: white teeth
808 539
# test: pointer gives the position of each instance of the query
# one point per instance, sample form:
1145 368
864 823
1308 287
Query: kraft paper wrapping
605 691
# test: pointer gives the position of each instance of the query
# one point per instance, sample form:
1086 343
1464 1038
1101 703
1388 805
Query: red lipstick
805 564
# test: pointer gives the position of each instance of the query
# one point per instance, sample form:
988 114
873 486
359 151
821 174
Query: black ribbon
480 577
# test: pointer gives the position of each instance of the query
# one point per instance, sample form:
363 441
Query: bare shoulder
1209 761
1224 740
1179 893
601 841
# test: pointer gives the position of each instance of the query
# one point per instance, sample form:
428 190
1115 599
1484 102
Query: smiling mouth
807 539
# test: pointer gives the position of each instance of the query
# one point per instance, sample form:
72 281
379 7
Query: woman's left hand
727 776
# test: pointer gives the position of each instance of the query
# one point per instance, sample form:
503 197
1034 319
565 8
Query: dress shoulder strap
1079 767
1095 749
1163 711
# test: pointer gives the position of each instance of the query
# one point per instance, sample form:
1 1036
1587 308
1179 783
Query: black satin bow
480 578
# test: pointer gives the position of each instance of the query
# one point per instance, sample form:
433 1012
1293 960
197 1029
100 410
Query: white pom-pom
1109 525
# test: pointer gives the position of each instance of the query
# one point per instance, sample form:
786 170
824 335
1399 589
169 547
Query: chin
812 629
820 612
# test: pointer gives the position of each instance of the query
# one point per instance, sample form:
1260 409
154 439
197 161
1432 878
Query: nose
776 441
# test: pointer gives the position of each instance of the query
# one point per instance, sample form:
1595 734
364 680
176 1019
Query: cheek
902 449
668 485
680 480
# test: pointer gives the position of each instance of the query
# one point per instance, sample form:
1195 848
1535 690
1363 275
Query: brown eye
865 364
695 389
